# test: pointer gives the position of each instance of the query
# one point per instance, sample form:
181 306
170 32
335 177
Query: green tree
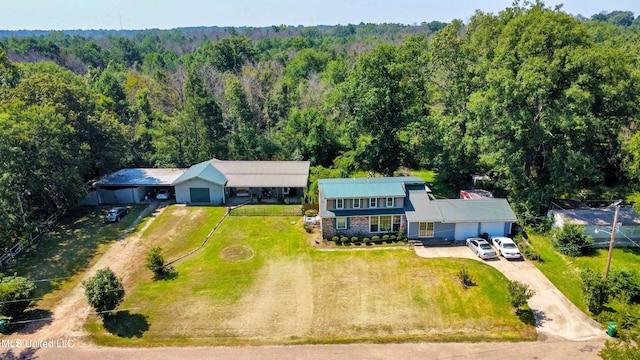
571 240
104 291
229 54
16 293
155 261
379 98
206 135
594 290
519 294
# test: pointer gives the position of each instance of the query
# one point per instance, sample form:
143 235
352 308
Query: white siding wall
183 195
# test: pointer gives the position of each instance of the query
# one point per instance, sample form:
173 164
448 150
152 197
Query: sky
168 14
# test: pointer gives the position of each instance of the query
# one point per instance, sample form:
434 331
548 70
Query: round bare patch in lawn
237 253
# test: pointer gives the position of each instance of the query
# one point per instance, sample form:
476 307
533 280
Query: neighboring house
598 222
370 206
209 182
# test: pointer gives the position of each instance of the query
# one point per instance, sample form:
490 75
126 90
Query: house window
373 224
385 223
339 203
396 222
356 203
381 223
341 223
426 229
373 202
389 202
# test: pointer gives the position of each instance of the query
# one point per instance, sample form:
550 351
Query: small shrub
335 238
392 237
366 240
466 280
519 294
531 254
104 291
308 228
385 237
402 233
311 213
355 239
571 240
155 261
375 238
344 239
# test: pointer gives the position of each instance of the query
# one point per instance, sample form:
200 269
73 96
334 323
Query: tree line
542 102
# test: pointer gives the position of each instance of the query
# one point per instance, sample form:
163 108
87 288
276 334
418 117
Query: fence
266 211
26 243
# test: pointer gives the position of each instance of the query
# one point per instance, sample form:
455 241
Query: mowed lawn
260 281
564 271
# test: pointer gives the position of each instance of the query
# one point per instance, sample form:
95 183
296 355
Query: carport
133 186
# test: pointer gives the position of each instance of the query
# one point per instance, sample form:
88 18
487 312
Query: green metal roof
365 187
205 171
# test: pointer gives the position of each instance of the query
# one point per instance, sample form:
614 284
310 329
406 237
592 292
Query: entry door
199 195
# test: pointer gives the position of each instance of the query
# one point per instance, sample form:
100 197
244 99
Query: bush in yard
594 290
623 282
375 238
311 213
155 261
335 238
104 291
344 239
308 228
402 233
519 294
14 294
385 237
571 240
366 240
355 239
466 280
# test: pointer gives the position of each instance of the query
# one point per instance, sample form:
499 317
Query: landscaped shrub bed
343 240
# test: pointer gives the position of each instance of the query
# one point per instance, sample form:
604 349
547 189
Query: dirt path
69 316
555 315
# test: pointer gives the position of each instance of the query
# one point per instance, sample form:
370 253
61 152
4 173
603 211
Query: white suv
506 247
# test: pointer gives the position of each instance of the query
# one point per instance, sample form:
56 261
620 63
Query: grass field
57 260
258 281
564 272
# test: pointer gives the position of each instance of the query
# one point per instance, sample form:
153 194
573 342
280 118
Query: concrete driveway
555 315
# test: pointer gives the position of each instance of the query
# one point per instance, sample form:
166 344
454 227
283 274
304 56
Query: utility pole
613 238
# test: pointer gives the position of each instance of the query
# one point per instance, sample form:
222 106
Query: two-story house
375 206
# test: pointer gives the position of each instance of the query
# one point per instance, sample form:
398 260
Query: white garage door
493 229
465 230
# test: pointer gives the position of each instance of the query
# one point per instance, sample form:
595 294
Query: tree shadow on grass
528 317
124 324
24 354
31 321
169 274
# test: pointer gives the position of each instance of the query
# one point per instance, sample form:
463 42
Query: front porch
268 195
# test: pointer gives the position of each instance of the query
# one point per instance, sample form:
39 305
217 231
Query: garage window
426 229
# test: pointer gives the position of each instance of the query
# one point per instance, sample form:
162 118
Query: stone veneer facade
358 225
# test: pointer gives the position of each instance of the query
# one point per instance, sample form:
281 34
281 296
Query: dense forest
544 103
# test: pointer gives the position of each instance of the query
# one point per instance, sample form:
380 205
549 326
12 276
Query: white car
506 247
481 248
163 194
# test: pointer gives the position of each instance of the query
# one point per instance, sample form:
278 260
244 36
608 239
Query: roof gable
205 171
